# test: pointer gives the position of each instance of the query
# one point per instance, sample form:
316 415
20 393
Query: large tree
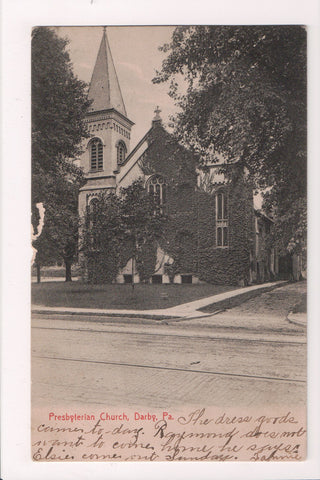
59 237
144 222
59 105
118 228
242 94
102 239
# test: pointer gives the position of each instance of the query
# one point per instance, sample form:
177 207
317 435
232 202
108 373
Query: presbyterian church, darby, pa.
223 241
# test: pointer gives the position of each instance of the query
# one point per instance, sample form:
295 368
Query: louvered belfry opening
96 151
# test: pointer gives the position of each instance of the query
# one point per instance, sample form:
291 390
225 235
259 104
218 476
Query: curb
174 315
296 319
52 311
236 300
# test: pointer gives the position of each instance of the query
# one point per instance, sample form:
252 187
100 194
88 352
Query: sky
136 55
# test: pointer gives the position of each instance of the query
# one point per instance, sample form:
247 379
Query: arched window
121 153
157 187
93 205
96 155
222 222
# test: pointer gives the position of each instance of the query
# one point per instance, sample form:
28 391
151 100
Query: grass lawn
115 296
236 301
301 307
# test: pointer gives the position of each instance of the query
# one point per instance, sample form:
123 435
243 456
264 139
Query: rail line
206 337
174 369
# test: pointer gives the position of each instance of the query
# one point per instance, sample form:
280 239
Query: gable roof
139 144
157 134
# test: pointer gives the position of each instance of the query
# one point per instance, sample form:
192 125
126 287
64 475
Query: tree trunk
38 272
68 264
132 279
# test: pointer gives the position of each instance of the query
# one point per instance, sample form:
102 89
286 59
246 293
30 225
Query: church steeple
104 86
104 154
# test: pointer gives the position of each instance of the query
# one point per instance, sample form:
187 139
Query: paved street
229 359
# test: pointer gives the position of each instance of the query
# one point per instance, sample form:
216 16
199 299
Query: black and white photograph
165 289
170 220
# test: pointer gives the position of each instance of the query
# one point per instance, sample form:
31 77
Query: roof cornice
108 111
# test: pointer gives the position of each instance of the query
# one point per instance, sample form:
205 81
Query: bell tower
109 128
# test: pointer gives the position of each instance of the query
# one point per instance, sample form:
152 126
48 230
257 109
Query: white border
18 16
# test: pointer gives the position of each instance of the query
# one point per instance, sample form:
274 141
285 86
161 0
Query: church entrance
186 278
156 279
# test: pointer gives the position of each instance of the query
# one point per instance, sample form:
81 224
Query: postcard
169 269
167 306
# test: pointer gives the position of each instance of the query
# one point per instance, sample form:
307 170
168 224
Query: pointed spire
104 86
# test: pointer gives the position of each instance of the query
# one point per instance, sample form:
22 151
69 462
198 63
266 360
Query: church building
215 235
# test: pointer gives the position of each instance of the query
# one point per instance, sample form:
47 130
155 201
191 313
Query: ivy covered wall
230 264
177 166
190 231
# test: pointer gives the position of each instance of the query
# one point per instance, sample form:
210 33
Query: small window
225 236
222 207
186 278
96 155
156 279
222 236
93 205
225 207
222 222
219 206
121 153
157 195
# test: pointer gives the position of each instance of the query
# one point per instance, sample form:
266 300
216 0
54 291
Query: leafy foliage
177 165
290 231
245 100
102 236
59 104
142 216
59 237
119 227
189 235
146 259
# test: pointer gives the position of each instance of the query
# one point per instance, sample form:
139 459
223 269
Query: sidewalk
298 319
186 310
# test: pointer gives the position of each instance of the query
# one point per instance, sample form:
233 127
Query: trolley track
178 335
174 369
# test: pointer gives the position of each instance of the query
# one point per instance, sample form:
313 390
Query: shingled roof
104 90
